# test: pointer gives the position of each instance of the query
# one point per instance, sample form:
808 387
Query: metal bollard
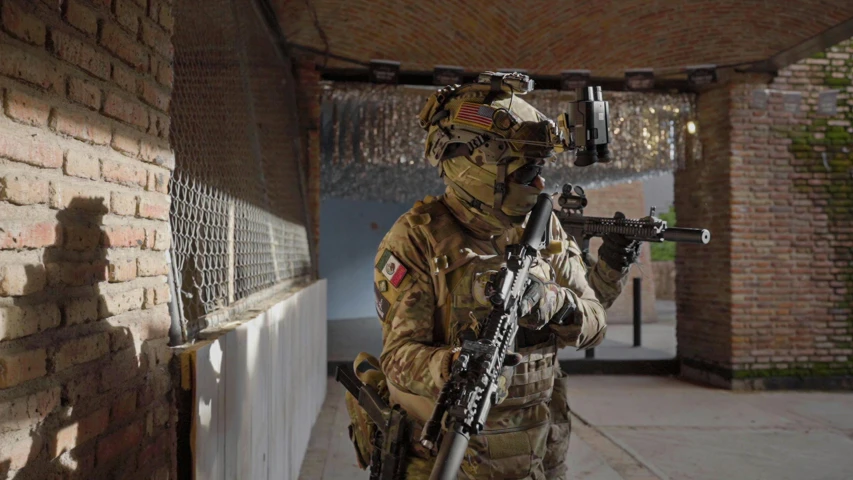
638 309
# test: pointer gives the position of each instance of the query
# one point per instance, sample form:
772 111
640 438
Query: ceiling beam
541 82
818 43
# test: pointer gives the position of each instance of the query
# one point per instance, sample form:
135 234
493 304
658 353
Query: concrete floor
632 428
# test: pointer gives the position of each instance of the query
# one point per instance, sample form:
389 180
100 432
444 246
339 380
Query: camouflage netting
373 148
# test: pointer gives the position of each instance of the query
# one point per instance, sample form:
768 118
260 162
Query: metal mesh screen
238 214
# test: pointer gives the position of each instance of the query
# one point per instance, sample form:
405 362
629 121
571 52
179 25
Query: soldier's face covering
523 186
479 182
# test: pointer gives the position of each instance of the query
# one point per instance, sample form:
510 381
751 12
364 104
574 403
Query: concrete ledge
837 383
705 373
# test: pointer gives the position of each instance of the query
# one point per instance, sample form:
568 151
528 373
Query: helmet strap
500 186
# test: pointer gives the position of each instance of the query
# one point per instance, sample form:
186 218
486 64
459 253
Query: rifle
391 437
652 229
465 400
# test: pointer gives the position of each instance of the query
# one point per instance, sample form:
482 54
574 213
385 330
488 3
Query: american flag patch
475 114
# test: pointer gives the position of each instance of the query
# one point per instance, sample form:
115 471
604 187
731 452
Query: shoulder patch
392 268
382 304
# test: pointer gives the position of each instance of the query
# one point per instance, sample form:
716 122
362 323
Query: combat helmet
482 135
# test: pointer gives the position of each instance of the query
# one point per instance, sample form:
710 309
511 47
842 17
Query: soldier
432 267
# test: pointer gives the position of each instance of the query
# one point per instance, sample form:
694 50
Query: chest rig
460 268
515 437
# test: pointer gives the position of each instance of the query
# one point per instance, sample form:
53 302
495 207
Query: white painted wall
259 389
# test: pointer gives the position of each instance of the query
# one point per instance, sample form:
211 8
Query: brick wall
84 174
608 36
702 199
629 199
786 320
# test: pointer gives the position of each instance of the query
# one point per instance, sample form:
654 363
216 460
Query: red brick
123 204
154 206
80 432
123 367
126 110
80 388
85 93
163 70
159 238
121 302
37 70
154 36
125 47
82 165
23 413
127 143
162 294
81 237
128 13
122 270
80 54
115 444
90 198
80 310
24 190
161 182
124 172
18 235
158 181
82 127
155 96
156 386
81 17
17 322
151 265
124 236
165 17
17 368
156 451
34 151
159 125
157 155
21 279
148 301
124 407
26 109
23 25
81 350
126 78
17 454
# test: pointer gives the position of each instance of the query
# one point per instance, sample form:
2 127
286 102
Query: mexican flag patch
393 270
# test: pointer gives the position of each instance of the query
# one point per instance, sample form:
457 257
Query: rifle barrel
450 455
687 235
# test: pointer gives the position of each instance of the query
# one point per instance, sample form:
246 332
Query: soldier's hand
617 251
541 300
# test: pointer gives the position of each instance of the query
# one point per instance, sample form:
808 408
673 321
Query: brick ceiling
546 37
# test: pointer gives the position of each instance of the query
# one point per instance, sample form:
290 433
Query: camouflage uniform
432 268
447 249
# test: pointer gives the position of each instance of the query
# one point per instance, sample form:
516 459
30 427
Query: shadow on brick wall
75 406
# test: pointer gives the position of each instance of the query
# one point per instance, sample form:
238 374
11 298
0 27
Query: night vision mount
585 128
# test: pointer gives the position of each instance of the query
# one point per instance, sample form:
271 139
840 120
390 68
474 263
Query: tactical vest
513 443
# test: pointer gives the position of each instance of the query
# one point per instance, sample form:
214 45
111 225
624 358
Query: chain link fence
238 214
